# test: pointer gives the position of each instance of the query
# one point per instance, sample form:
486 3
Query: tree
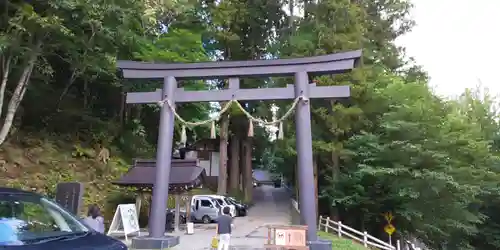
24 33
480 109
392 133
76 99
239 30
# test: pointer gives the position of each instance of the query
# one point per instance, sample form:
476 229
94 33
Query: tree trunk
86 94
334 213
18 95
235 165
247 171
222 180
335 158
66 89
5 63
315 169
123 103
242 165
76 71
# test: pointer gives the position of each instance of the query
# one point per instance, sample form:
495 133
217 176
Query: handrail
326 224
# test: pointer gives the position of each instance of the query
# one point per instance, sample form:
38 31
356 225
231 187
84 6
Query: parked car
29 221
241 208
222 201
205 209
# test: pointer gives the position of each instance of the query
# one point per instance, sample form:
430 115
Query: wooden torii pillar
300 68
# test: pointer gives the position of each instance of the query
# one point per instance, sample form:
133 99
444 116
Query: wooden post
188 208
327 224
269 233
138 203
365 239
177 212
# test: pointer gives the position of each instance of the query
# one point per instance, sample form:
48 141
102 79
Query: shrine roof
184 173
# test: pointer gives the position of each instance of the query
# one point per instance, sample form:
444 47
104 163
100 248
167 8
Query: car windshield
234 200
229 201
27 219
220 202
216 202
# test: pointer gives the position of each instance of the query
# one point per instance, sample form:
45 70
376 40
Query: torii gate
298 67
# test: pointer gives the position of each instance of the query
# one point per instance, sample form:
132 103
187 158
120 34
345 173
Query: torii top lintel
332 63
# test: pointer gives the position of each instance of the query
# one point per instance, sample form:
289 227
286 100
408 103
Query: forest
393 146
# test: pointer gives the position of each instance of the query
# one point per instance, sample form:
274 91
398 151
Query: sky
458 44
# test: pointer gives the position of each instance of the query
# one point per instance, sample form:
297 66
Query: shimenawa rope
225 109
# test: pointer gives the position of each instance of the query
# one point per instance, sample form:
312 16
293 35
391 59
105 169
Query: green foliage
429 183
81 152
392 146
75 99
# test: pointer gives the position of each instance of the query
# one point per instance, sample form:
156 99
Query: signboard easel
125 221
287 237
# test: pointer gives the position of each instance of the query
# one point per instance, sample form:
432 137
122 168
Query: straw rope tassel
280 131
226 107
183 135
250 128
212 131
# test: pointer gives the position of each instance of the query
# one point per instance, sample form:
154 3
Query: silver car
204 209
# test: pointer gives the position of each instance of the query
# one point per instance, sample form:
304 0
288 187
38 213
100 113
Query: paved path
271 207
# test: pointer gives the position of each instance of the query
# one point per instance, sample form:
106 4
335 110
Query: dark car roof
7 190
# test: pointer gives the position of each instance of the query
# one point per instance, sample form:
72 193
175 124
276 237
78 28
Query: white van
205 209
221 201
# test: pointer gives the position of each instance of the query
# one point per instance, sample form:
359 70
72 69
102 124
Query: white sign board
125 221
280 237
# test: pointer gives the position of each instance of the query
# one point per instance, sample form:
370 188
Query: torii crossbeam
300 68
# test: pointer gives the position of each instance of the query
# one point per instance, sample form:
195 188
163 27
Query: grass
38 164
340 243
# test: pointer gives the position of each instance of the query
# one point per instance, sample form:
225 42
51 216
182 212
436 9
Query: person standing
94 219
224 226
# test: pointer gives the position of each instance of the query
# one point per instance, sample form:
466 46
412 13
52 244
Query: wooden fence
336 227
